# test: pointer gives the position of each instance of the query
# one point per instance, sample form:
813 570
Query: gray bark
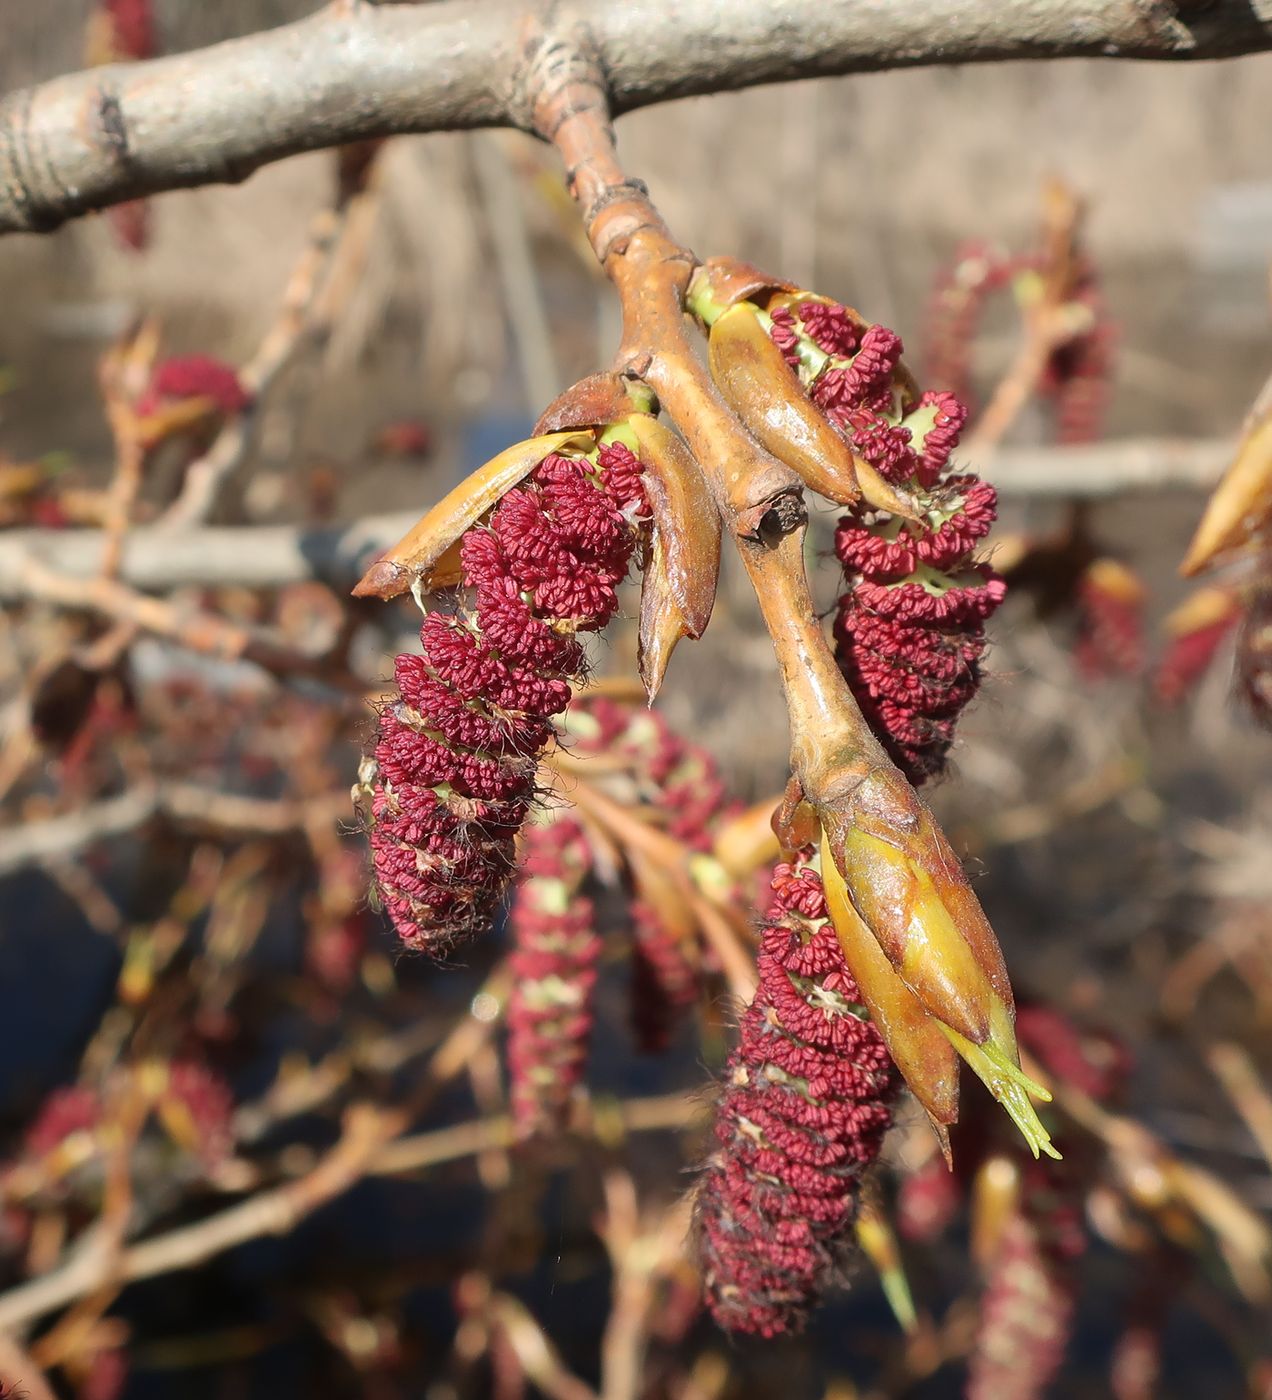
354 71
271 556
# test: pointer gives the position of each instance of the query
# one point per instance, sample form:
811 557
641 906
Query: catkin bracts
805 1105
454 762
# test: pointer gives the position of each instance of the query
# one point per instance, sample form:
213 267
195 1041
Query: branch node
769 522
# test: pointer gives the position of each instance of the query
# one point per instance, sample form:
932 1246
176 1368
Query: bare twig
58 837
356 71
260 556
195 629
538 1358
270 556
518 276
366 1146
21 1372
639 1251
1236 1072
292 327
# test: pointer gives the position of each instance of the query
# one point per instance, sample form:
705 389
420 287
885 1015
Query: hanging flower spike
1079 373
1032 1285
910 634
975 272
132 28
909 631
194 377
453 773
666 979
1195 630
680 782
70 1112
802 1114
196 1107
1111 600
554 964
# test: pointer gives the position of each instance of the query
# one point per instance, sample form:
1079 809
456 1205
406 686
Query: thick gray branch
356 70
271 556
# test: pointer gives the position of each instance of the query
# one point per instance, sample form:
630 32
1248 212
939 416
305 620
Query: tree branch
272 556
188 804
354 71
365 1147
253 556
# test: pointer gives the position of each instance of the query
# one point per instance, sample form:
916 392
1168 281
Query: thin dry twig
366 1146
195 629
1236 1071
57 838
291 330
539 1359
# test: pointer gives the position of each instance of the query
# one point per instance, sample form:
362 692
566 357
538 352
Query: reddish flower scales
806 1103
910 629
197 1107
554 966
1077 376
666 979
455 758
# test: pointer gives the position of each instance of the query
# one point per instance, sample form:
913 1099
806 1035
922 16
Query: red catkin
805 1105
958 301
666 979
1031 1291
73 1109
198 1104
1026 1314
193 377
1110 638
455 757
554 964
1078 373
909 630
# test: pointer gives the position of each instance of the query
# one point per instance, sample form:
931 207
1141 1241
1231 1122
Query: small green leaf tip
1011 1086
